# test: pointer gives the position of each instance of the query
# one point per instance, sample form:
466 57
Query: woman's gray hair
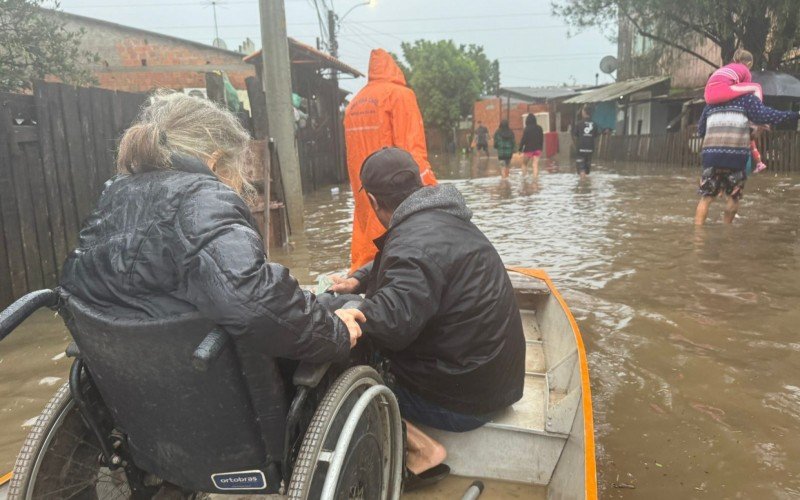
171 123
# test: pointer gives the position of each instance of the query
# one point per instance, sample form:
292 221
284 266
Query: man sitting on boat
440 306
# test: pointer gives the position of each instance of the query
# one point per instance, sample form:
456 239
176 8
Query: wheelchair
167 409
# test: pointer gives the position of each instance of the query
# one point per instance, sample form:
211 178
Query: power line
194 3
365 37
378 31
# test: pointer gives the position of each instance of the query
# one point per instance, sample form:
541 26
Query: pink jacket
729 82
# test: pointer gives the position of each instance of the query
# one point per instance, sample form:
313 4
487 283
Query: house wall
136 61
491 111
686 70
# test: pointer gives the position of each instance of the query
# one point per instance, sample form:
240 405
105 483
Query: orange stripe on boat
590 467
5 478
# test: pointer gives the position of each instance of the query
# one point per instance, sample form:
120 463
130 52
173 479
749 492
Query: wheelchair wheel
61 458
372 465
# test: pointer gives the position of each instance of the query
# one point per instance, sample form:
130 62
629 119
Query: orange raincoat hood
383 68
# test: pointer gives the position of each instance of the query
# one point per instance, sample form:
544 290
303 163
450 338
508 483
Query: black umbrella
776 84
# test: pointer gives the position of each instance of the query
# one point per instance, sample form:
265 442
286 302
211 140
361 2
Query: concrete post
278 89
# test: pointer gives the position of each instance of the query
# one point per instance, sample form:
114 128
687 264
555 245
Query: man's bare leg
525 167
536 166
731 207
702 210
423 451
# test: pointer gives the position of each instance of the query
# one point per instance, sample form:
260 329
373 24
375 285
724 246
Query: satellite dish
609 64
219 43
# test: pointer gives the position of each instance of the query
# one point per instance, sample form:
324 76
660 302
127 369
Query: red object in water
550 144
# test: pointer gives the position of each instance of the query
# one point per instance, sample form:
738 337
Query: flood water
692 334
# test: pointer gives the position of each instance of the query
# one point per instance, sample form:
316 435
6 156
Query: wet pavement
692 334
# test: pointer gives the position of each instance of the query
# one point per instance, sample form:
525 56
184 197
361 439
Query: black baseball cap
390 171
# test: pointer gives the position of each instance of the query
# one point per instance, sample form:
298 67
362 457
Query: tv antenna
218 42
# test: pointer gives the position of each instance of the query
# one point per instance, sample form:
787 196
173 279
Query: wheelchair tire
60 458
367 471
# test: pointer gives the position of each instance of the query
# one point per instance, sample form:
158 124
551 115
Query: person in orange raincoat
384 113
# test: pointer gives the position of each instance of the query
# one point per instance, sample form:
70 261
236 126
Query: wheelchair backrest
182 424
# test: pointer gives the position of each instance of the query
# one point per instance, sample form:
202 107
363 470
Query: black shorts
482 146
716 180
583 163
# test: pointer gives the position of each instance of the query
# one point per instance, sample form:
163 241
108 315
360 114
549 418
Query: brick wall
491 111
137 61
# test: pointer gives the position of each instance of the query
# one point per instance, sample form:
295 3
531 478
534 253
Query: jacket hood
382 67
444 197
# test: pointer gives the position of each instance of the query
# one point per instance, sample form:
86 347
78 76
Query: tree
488 71
447 79
34 44
770 29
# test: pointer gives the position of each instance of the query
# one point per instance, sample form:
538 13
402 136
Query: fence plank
53 199
89 129
80 170
25 206
51 94
14 252
41 216
6 292
101 138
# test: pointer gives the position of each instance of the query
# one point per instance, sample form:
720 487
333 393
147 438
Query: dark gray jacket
167 242
440 304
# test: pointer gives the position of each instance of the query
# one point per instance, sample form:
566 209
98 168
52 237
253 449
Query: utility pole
278 89
332 34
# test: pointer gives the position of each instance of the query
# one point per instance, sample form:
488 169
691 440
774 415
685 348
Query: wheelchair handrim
301 486
372 394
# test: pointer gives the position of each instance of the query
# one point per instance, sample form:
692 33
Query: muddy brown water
692 334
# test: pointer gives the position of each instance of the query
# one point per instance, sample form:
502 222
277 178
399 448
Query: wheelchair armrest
209 350
23 307
309 374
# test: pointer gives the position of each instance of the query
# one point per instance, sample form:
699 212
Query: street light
334 22
371 3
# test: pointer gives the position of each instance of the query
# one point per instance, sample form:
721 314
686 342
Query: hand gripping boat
101 436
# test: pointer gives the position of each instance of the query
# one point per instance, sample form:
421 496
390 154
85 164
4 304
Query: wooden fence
57 149
780 149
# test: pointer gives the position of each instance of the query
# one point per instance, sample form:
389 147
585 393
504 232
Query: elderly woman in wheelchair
199 366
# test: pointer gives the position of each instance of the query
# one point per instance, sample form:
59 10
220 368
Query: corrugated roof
537 93
616 90
308 50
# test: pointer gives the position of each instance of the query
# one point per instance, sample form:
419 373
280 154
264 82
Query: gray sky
533 46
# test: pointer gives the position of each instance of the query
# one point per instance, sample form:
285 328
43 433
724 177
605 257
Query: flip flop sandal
424 479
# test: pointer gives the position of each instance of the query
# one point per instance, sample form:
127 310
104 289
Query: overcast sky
534 47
